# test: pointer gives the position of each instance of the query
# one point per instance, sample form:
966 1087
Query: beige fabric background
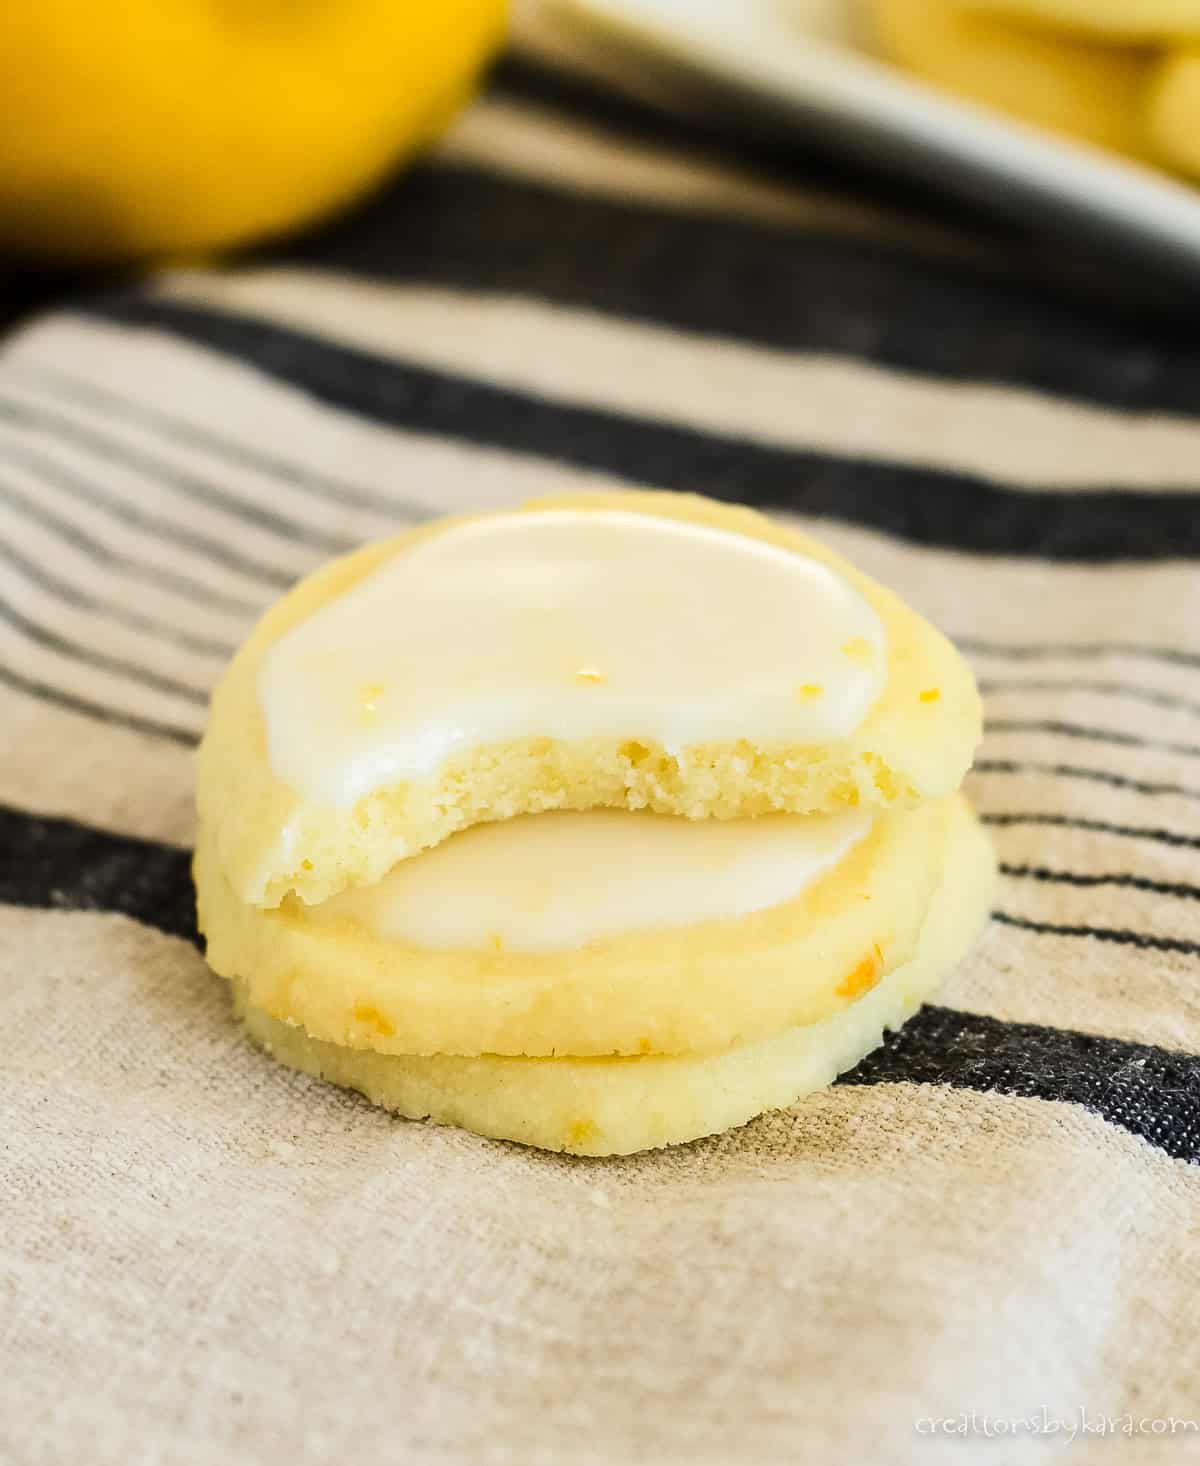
213 1260
205 1259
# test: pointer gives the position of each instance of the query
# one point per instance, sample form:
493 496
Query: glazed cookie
600 933
624 650
617 1106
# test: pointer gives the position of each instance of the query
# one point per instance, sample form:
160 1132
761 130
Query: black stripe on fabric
914 503
102 554
524 79
61 864
993 686
1097 827
135 516
1095 776
344 492
910 215
44 636
793 164
1151 1092
73 595
356 496
1144 941
1121 879
1094 735
108 449
829 163
1070 651
470 228
98 712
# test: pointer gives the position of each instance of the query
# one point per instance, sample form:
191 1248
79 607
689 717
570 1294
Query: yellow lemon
181 126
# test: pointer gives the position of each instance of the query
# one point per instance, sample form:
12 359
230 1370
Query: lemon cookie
606 932
617 1106
626 650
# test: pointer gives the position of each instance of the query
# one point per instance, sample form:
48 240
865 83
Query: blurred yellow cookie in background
1074 87
179 126
1107 20
1173 115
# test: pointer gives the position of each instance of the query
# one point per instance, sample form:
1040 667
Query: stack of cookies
598 825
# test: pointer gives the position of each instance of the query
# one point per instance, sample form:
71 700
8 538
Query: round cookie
914 740
1113 21
1173 115
1067 85
617 1106
698 987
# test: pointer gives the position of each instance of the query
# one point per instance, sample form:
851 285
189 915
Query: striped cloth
991 1226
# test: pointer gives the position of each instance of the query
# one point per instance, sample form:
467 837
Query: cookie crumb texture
272 841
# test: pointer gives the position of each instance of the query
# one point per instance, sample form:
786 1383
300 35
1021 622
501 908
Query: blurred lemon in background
180 126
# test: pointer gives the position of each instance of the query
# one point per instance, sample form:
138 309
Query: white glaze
567 624
554 882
